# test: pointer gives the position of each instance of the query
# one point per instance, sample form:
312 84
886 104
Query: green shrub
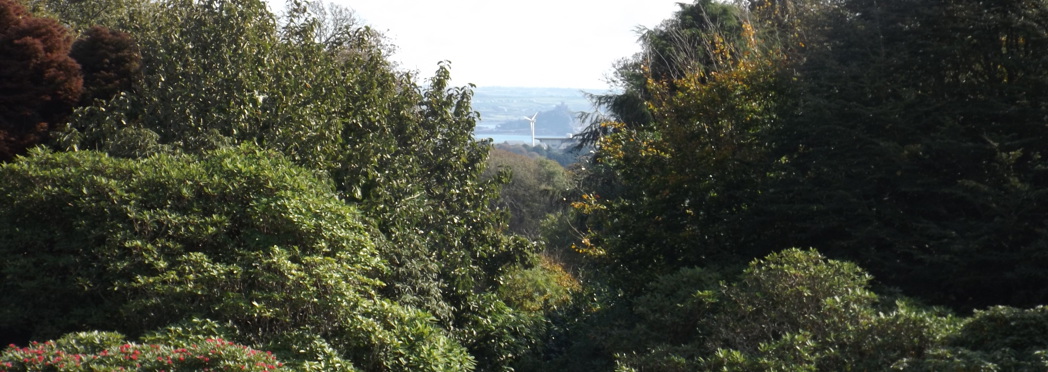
1003 327
239 236
499 335
792 311
544 286
997 339
791 291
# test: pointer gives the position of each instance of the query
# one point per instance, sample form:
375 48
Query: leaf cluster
896 136
39 82
239 236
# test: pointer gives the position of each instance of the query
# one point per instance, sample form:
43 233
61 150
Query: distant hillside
559 122
502 109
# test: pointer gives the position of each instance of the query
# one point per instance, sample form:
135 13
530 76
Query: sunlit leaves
240 236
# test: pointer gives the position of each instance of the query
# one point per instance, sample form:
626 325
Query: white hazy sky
536 43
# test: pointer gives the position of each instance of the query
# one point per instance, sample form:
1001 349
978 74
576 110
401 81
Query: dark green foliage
239 236
39 83
996 339
693 39
917 132
686 182
671 309
794 310
1005 328
906 137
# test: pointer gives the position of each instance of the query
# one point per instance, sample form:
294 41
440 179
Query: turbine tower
532 120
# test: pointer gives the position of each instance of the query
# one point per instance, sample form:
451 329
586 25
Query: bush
94 351
239 236
544 286
997 339
792 291
793 310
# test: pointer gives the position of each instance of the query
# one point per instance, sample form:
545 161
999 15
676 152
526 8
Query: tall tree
907 137
688 177
694 38
917 141
323 92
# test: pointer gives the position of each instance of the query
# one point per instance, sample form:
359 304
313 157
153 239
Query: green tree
995 339
906 138
687 180
320 90
693 39
916 133
534 190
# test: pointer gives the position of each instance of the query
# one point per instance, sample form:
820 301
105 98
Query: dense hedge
238 236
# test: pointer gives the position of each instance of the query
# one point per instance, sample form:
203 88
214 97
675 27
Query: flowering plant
70 354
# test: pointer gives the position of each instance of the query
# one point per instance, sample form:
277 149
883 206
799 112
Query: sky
532 43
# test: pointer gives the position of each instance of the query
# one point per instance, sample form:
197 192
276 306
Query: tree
109 61
998 338
227 72
917 133
694 39
39 82
906 139
690 177
533 192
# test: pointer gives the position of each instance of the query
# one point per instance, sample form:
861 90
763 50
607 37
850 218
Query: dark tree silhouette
39 82
110 62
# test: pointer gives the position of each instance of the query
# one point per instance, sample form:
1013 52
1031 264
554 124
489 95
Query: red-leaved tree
110 62
39 82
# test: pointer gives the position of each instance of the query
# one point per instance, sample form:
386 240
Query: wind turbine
532 120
